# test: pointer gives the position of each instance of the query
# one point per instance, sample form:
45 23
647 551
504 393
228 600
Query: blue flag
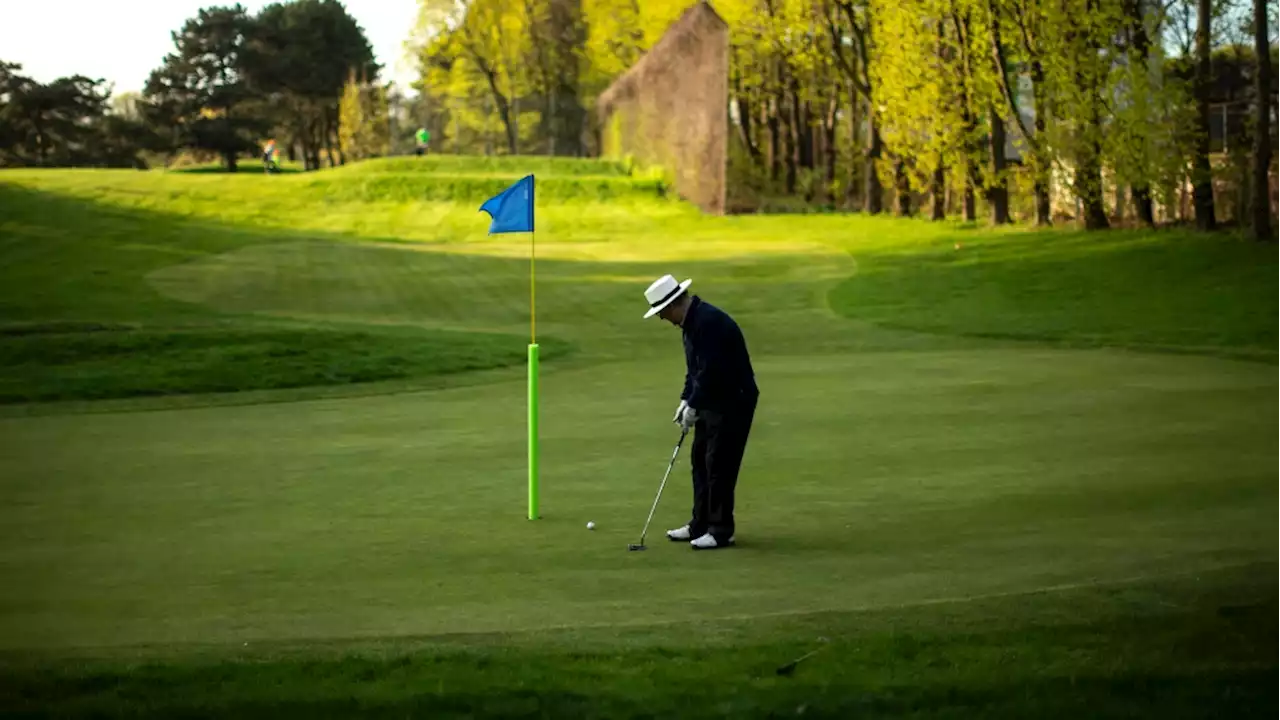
512 209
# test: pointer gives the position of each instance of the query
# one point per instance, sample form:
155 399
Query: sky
124 40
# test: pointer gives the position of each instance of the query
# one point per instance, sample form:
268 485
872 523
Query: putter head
634 546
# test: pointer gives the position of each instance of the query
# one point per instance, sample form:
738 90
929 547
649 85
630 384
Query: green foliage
198 94
363 129
67 122
236 78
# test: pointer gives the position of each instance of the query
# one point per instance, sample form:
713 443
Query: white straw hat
662 292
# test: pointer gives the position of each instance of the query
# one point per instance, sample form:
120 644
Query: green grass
1031 477
57 362
1095 652
1164 290
516 165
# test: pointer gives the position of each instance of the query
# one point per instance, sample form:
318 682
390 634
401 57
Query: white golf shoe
680 533
707 542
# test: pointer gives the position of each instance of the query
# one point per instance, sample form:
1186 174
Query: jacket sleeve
707 357
688 374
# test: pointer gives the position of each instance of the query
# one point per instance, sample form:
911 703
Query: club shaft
644 533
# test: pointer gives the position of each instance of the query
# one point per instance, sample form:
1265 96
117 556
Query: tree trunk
504 107
873 193
829 146
1202 172
42 142
998 195
937 192
1141 190
1044 212
968 124
850 192
229 160
744 128
1261 209
775 148
314 141
566 32
1089 186
1141 194
794 137
328 139
902 188
806 130
1089 170
1089 153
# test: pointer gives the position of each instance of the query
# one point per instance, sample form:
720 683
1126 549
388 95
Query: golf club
645 531
791 666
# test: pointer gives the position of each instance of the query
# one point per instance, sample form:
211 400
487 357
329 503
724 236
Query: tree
1140 188
1026 24
850 31
56 124
1261 205
1202 173
557 31
298 58
198 90
363 130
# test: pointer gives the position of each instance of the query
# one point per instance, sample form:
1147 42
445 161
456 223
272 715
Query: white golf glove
688 417
680 411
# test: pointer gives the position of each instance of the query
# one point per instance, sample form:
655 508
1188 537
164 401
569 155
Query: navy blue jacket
718 373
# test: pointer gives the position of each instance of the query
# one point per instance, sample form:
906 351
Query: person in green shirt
424 137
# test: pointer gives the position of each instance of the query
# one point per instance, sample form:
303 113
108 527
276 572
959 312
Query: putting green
887 467
870 480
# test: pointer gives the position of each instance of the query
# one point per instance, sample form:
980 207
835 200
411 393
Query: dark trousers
719 441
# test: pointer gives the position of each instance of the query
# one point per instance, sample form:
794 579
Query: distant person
718 402
424 139
269 161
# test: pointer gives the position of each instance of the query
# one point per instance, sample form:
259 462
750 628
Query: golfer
718 402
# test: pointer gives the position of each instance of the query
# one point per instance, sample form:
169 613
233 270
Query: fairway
948 417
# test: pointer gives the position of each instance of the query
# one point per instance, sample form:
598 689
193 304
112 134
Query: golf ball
591 526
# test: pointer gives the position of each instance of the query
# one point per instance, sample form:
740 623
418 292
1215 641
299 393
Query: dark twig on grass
790 667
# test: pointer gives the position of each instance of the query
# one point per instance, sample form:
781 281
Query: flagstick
533 388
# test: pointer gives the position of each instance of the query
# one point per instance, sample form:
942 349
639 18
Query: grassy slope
1170 290
888 468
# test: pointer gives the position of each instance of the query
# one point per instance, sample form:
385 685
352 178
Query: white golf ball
591 526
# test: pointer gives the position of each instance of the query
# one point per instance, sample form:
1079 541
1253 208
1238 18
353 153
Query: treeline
1098 110
233 80
1008 109
70 121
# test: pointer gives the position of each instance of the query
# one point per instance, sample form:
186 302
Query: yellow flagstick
505 220
533 315
533 388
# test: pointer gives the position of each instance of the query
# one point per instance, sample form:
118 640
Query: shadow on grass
657 684
1248 693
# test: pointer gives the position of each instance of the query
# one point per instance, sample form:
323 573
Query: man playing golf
718 402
